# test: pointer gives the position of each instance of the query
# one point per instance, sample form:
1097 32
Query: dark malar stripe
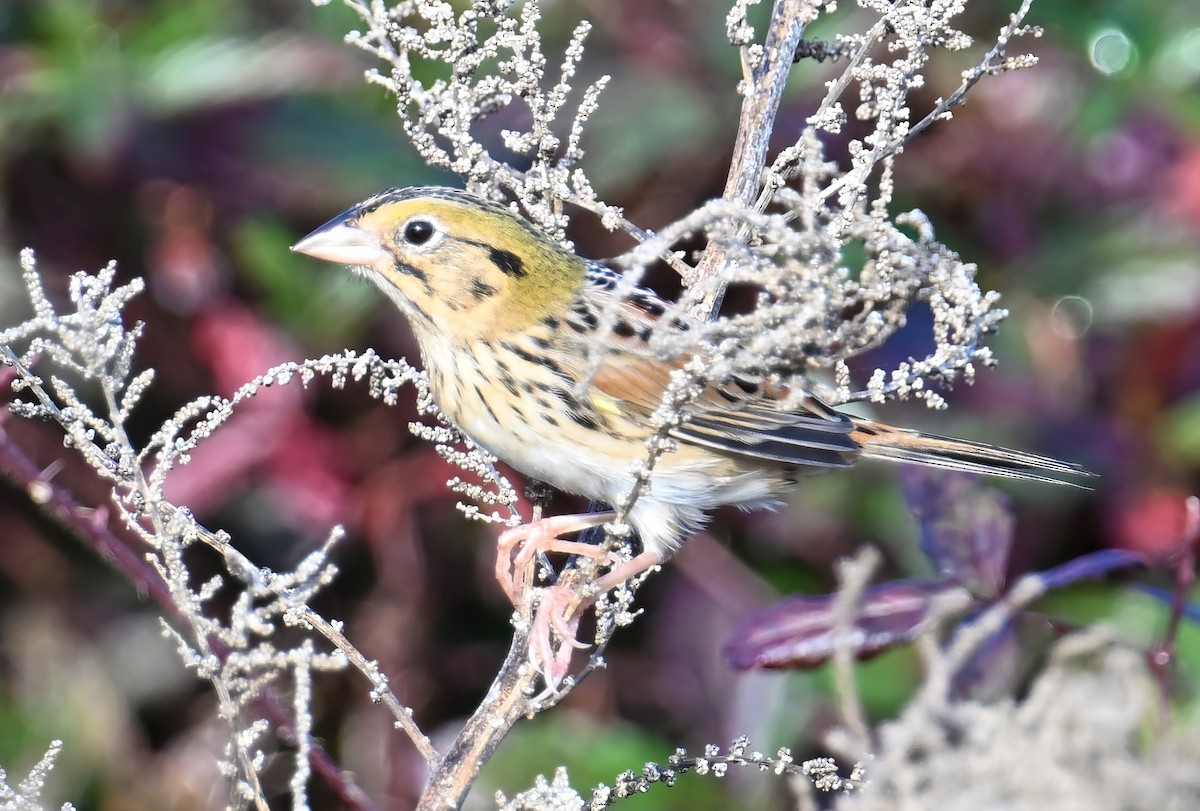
416 273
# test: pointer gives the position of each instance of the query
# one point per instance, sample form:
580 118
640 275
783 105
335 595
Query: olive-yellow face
452 262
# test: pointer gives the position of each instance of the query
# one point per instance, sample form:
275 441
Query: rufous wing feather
744 417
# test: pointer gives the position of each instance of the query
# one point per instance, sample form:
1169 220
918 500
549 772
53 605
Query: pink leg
628 570
536 537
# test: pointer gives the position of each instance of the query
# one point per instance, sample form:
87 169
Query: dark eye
418 232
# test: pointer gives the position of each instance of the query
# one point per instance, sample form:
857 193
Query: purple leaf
799 632
966 529
1093 565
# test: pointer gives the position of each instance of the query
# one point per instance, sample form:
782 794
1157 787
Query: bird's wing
738 416
742 416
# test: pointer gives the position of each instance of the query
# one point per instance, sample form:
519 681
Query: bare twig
854 576
760 104
380 690
969 638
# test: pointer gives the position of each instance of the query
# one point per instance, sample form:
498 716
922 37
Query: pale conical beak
338 241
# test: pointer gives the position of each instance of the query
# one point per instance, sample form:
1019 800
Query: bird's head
453 262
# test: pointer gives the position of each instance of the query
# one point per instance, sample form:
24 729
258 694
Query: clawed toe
554 633
519 547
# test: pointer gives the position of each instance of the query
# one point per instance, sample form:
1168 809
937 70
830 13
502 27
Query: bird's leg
530 540
628 570
556 621
560 608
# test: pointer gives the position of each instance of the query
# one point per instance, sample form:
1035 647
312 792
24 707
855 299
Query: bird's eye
418 232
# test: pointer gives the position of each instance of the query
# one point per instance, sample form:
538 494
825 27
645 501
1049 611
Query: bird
508 320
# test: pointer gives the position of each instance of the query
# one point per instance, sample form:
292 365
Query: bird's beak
339 241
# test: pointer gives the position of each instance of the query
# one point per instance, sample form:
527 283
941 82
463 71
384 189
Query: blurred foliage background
194 142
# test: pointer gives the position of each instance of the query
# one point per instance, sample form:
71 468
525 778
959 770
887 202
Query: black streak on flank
509 263
583 418
580 413
487 406
539 360
509 383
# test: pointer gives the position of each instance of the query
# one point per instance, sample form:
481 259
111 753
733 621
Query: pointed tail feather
880 441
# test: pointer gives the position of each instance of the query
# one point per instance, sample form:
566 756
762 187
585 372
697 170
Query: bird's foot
515 572
554 634
553 637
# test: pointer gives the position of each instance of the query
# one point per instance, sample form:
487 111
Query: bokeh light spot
1112 52
1071 316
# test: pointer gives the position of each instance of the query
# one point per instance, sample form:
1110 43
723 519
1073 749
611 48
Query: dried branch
761 95
381 691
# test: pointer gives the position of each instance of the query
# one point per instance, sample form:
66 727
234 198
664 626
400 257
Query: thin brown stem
1163 654
381 691
854 577
89 525
759 107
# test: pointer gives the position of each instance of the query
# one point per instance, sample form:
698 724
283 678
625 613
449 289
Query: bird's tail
879 441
